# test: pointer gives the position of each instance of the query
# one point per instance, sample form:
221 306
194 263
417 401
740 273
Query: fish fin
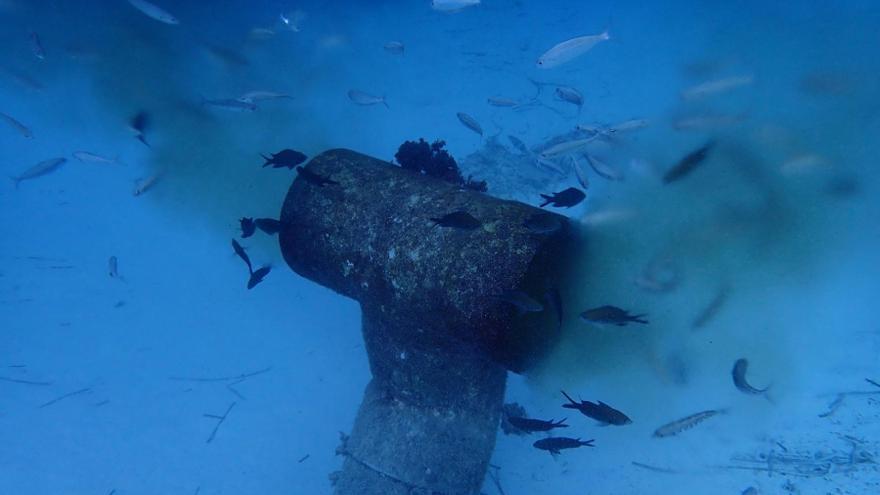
547 200
568 397
385 102
606 30
143 139
268 160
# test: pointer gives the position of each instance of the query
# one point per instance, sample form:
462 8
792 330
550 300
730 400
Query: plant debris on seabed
432 159
859 455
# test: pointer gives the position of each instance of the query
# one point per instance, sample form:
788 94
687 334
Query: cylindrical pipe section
437 328
370 236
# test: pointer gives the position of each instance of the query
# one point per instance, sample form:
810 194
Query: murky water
763 247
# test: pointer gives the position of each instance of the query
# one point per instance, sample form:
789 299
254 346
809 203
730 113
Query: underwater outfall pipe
438 337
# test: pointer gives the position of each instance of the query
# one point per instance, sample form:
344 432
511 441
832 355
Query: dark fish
688 164
555 444
611 315
316 179
600 411
248 227
268 225
458 220
532 425
257 276
519 145
711 309
139 124
543 223
739 378
284 158
566 198
113 268
522 301
241 254
554 299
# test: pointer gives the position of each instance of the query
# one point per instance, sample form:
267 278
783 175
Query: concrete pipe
438 322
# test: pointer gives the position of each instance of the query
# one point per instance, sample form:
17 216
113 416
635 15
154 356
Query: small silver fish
260 33
292 20
259 95
608 217
362 98
18 126
37 46
566 147
548 164
470 122
659 276
629 125
394 47
834 406
153 11
452 6
233 104
603 169
580 173
39 170
570 95
24 80
740 367
707 122
145 185
570 49
498 101
87 157
686 423
715 87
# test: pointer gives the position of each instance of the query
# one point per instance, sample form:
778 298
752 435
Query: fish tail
547 200
568 397
267 160
385 102
606 31
639 319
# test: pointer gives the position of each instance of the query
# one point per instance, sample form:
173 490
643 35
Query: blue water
803 273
